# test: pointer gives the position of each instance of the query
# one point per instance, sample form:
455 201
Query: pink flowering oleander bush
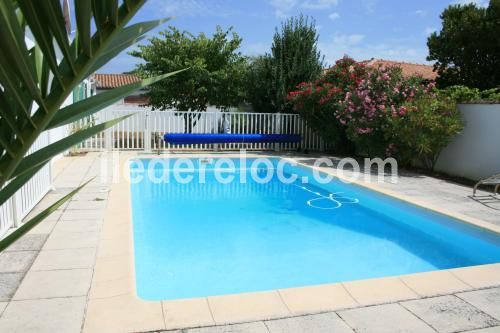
373 110
317 101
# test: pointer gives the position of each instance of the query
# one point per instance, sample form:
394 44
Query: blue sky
388 29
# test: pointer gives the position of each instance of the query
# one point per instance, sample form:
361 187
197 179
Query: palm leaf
28 95
46 153
12 187
34 83
28 225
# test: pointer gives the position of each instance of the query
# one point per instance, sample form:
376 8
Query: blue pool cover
194 138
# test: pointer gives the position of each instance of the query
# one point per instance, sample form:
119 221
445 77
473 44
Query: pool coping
114 306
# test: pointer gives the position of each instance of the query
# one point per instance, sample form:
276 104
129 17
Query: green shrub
463 94
431 121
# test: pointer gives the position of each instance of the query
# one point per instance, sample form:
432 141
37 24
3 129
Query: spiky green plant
36 80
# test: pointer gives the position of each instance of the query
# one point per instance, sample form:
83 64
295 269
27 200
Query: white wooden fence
21 203
145 128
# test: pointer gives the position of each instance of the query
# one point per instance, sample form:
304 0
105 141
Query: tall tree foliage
259 84
467 49
294 58
216 75
34 81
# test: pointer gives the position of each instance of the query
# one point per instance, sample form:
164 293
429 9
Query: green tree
35 83
294 58
467 49
259 84
216 75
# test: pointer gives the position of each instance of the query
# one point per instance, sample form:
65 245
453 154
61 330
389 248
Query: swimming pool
203 239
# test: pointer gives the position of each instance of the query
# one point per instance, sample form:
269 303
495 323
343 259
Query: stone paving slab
71 240
257 327
89 205
44 227
321 323
30 242
486 330
16 262
8 285
63 315
487 301
388 318
82 214
88 225
65 259
448 314
3 305
57 283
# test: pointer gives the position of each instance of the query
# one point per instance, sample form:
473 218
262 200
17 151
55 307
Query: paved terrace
46 278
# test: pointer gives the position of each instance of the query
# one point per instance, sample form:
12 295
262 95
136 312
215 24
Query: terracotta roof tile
408 69
109 81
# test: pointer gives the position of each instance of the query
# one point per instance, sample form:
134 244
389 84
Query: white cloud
282 8
192 8
420 12
369 5
429 30
319 4
357 47
347 40
334 16
479 3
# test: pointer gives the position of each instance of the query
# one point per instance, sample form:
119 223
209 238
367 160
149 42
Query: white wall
474 153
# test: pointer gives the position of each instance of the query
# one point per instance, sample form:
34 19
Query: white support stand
321 145
15 212
147 132
277 130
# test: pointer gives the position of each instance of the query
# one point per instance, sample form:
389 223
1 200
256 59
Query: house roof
408 69
110 81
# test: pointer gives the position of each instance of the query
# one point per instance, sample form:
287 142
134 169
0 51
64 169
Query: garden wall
474 153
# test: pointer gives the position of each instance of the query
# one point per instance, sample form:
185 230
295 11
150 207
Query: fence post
147 132
15 211
215 128
108 133
277 129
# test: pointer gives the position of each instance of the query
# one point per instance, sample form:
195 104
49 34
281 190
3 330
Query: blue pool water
195 240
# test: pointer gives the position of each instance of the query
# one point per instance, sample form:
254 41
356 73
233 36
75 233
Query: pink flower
402 111
362 131
391 149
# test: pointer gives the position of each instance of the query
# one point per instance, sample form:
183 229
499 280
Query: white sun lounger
493 181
